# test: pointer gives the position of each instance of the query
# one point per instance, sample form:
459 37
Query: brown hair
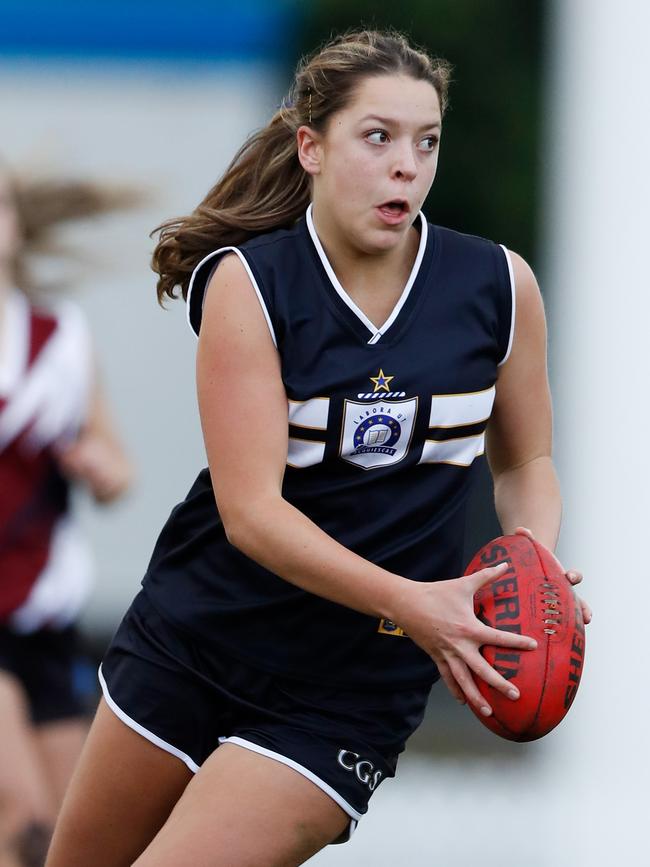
42 204
265 187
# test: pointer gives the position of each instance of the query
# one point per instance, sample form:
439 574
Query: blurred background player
55 429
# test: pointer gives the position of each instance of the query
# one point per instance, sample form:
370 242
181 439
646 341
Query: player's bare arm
97 457
520 432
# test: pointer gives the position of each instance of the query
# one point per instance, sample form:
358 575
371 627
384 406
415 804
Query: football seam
548 648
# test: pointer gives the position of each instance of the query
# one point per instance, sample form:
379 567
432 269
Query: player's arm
244 415
97 457
519 434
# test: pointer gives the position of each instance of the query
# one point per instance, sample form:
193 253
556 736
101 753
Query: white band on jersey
457 410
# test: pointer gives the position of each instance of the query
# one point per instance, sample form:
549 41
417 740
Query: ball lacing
552 613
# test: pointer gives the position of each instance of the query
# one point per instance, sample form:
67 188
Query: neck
354 265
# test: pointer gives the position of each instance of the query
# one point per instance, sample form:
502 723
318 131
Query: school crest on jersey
377 433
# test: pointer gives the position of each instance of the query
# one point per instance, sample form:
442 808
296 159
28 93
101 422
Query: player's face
378 160
9 231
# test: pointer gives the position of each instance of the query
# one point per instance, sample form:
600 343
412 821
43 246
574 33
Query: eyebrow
388 121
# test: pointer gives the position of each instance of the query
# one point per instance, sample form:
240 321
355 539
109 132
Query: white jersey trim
14 342
251 277
511 274
61 589
377 333
53 395
305 772
141 730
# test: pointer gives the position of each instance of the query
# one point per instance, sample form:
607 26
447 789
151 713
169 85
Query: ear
309 149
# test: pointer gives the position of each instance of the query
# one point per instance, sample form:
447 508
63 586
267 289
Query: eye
377 136
428 143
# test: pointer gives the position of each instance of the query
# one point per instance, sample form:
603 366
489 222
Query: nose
405 167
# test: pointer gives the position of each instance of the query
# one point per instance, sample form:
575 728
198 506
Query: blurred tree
487 180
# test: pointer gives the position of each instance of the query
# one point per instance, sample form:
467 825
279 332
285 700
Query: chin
384 238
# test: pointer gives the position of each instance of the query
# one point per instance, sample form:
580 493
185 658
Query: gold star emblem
381 381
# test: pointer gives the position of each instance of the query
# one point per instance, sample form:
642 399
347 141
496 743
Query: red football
533 597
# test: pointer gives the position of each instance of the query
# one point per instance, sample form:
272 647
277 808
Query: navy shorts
56 675
188 698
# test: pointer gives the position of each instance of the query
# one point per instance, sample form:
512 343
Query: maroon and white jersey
45 377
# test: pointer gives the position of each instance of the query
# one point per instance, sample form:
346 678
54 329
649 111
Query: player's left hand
573 576
93 461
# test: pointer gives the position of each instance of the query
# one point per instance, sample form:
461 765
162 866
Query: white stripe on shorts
141 730
249 745
334 795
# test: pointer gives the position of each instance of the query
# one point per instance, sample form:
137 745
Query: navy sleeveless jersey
386 427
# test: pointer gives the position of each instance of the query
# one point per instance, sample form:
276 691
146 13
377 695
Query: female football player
54 428
353 363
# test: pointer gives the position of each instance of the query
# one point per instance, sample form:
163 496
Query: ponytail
265 187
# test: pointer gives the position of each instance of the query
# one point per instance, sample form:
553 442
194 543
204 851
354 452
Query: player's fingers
574 576
468 685
484 576
450 682
524 531
484 670
586 610
502 638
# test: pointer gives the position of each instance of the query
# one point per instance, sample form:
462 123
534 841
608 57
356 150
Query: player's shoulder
473 255
282 239
455 239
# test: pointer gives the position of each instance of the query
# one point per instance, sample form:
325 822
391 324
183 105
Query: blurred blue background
192 30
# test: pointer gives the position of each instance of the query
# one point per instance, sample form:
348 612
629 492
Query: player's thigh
60 744
23 784
246 810
121 793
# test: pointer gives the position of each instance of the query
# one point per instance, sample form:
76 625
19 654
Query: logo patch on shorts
363 769
377 434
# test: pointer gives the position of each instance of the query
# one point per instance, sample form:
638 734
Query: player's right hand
439 617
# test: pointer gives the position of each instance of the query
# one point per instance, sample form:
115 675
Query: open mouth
395 207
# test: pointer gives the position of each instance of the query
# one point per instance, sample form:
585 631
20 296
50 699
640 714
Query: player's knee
30 843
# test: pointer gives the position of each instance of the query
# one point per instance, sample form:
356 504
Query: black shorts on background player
54 671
